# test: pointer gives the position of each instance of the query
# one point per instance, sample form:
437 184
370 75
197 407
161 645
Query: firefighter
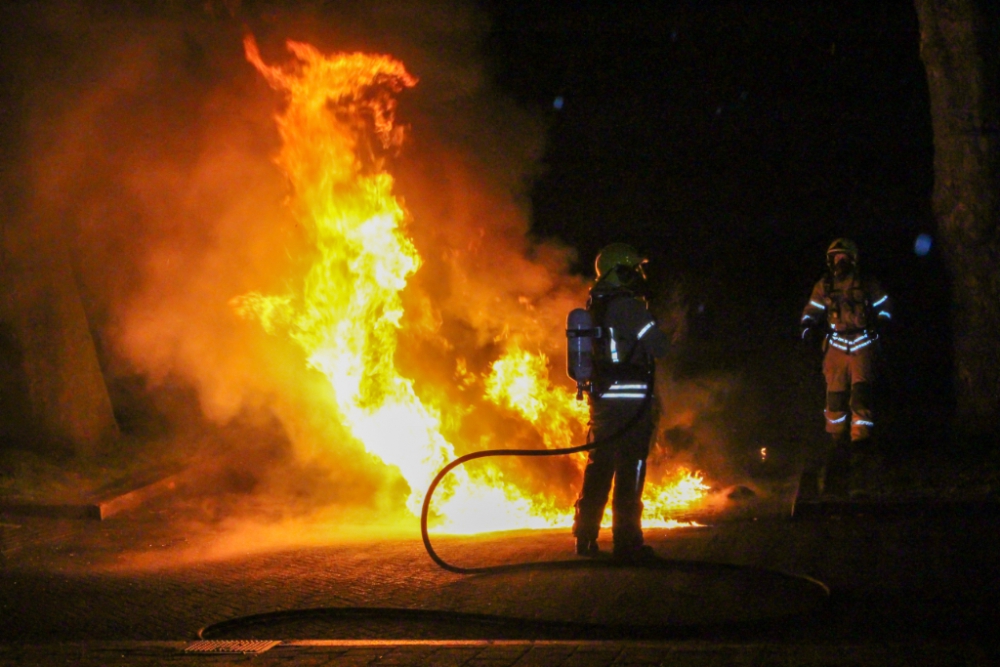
621 404
849 311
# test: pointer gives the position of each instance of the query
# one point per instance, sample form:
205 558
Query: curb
98 509
54 511
131 499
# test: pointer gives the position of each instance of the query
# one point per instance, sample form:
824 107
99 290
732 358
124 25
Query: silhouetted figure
620 396
848 311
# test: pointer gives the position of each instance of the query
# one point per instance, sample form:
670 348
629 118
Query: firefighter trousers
623 462
850 377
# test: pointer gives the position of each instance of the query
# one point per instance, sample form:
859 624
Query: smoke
148 146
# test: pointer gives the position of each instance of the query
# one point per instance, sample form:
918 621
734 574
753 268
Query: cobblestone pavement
138 588
486 653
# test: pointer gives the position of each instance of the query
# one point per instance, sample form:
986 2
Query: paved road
484 653
137 589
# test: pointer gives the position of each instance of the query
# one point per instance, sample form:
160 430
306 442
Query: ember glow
347 314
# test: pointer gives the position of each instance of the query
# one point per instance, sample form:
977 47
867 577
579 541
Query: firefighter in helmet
848 310
621 404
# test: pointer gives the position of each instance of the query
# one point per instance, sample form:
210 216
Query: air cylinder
580 334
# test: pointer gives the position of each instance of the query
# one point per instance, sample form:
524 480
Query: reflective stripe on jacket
631 340
625 391
848 304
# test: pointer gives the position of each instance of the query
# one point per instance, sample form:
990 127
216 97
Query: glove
809 336
882 326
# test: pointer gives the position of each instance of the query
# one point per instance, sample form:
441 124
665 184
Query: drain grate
255 646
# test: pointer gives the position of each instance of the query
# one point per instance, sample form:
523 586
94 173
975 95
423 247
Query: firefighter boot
626 506
586 547
838 469
811 482
865 480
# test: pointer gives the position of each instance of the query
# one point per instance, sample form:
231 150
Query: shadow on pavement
565 600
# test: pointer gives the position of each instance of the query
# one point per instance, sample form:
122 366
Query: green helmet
619 264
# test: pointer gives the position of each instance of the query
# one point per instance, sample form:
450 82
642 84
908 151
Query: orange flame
336 130
519 382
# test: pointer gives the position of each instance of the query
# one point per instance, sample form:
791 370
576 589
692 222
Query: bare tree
960 48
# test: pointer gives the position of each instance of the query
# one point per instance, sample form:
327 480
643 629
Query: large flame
336 130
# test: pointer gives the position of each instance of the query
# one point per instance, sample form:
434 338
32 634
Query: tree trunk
56 396
960 49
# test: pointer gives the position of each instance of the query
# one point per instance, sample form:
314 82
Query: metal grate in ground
244 646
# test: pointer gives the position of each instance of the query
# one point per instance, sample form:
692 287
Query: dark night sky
773 126
732 141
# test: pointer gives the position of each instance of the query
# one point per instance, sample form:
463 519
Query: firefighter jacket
851 309
628 344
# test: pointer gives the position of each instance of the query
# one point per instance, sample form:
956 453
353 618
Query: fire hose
502 623
596 444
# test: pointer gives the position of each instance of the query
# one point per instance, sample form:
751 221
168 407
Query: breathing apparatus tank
580 335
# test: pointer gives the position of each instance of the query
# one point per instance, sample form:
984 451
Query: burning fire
337 128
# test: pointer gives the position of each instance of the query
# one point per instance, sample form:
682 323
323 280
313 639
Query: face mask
626 275
842 267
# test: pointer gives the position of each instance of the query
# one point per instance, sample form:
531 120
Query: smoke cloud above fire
148 144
